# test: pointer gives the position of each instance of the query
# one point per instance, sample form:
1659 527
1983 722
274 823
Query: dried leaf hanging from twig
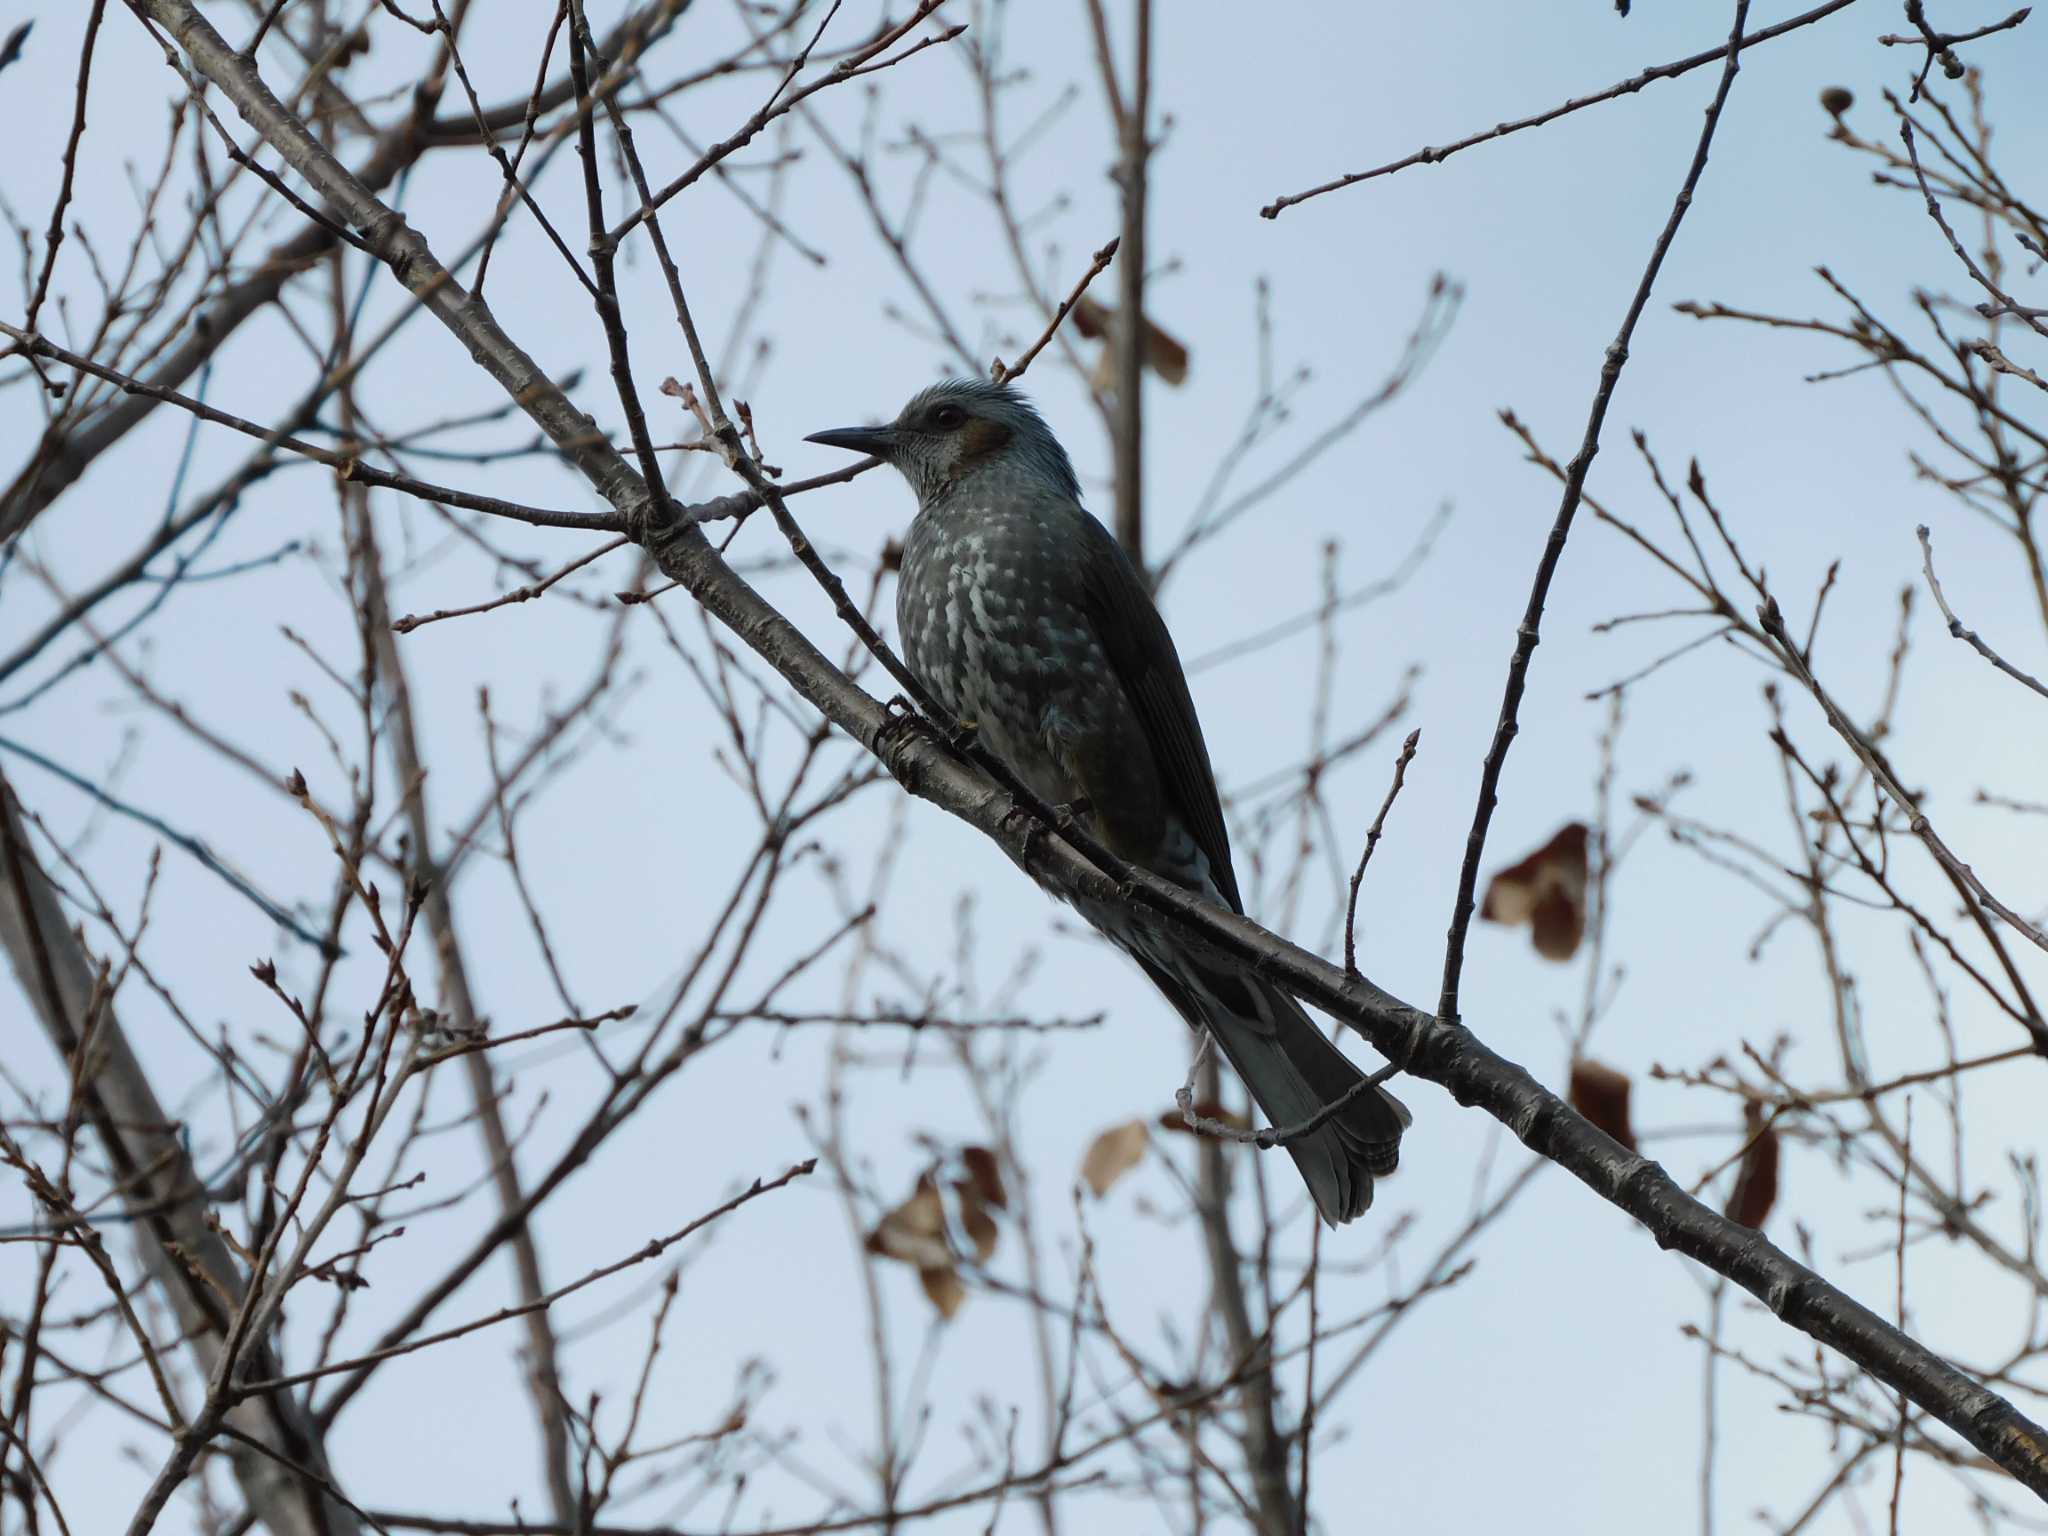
1601 1094
1113 1154
1547 890
948 1218
1163 354
1756 1181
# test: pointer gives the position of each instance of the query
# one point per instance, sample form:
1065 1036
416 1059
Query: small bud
1836 100
265 971
295 784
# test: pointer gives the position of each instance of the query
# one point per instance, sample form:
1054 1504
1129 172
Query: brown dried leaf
1164 355
985 1175
1113 1154
1601 1094
1756 1181
944 1288
1102 378
1206 1109
1091 317
915 1231
1547 890
981 1230
1557 925
948 1210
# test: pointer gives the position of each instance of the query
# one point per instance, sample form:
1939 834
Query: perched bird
1024 617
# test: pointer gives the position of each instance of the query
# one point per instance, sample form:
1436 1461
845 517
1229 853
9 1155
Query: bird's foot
960 735
1065 817
904 723
1032 827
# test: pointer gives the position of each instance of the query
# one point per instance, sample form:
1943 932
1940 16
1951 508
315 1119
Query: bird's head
960 429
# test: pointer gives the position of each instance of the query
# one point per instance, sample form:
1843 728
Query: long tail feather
1293 1072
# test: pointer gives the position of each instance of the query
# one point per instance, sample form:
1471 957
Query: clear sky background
1551 1390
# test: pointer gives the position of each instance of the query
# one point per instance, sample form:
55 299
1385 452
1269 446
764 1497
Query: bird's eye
947 417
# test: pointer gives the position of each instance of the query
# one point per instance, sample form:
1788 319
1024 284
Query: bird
1024 617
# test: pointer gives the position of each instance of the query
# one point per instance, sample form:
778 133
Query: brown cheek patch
980 438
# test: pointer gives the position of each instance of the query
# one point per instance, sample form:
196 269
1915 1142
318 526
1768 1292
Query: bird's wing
1141 652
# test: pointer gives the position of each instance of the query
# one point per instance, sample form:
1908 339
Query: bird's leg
905 722
960 735
1033 828
1064 817
902 716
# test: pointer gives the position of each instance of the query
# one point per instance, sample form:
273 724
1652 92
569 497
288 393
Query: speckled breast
964 606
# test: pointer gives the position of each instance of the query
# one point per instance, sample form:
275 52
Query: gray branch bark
1251 1349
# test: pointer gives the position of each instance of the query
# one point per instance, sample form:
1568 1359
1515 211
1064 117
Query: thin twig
525 594
1955 625
1899 1313
1003 372
1940 45
1553 550
55 235
1634 83
1965 878
653 1248
348 466
1372 838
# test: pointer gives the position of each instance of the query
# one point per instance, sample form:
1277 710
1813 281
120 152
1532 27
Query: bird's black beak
874 440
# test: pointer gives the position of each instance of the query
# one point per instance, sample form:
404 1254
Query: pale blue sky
1558 1366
